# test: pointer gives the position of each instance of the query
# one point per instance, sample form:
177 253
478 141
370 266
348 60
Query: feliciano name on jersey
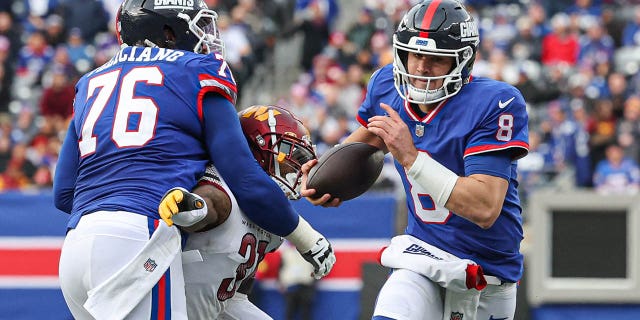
142 54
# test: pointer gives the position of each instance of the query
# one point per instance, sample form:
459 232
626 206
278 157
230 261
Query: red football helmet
280 143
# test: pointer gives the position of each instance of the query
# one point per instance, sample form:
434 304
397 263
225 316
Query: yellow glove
182 207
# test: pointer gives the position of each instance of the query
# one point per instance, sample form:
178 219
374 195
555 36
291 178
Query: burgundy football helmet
280 143
435 27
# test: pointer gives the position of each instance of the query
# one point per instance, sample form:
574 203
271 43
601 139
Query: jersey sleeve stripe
496 147
215 83
362 121
209 83
208 80
225 93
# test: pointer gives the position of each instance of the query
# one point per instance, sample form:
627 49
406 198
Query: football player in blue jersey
455 140
149 119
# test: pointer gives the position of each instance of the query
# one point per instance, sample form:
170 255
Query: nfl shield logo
456 316
419 130
150 265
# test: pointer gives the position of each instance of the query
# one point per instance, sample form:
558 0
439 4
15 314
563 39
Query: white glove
313 247
321 257
182 207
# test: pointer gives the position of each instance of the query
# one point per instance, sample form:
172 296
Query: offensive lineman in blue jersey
455 140
148 120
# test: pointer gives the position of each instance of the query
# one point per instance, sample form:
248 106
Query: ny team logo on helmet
280 143
436 27
174 24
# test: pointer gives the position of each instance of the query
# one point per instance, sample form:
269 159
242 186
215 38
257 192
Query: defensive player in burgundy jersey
150 119
224 249
455 140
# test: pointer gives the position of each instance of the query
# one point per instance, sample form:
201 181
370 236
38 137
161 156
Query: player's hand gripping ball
346 171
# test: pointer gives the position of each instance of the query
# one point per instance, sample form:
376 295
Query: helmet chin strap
271 120
290 193
272 127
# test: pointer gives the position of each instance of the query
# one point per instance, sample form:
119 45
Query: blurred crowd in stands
576 62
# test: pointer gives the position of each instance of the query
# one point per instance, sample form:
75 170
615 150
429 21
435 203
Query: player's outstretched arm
201 210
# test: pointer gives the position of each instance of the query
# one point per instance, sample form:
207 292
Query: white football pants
101 244
407 295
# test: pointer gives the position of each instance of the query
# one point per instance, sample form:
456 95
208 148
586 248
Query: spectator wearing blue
503 30
536 169
585 11
538 15
33 13
617 174
596 45
331 8
34 58
90 16
79 51
561 130
628 128
578 154
631 32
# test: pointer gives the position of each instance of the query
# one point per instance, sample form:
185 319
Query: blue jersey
138 121
485 116
620 178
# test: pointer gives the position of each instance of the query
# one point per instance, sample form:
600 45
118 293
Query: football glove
321 257
313 247
182 207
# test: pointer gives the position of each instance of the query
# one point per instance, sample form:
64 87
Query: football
346 170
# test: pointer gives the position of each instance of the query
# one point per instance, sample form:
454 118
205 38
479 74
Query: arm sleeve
502 128
66 171
497 164
258 196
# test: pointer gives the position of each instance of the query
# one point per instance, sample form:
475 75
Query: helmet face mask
189 27
443 29
204 27
280 143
